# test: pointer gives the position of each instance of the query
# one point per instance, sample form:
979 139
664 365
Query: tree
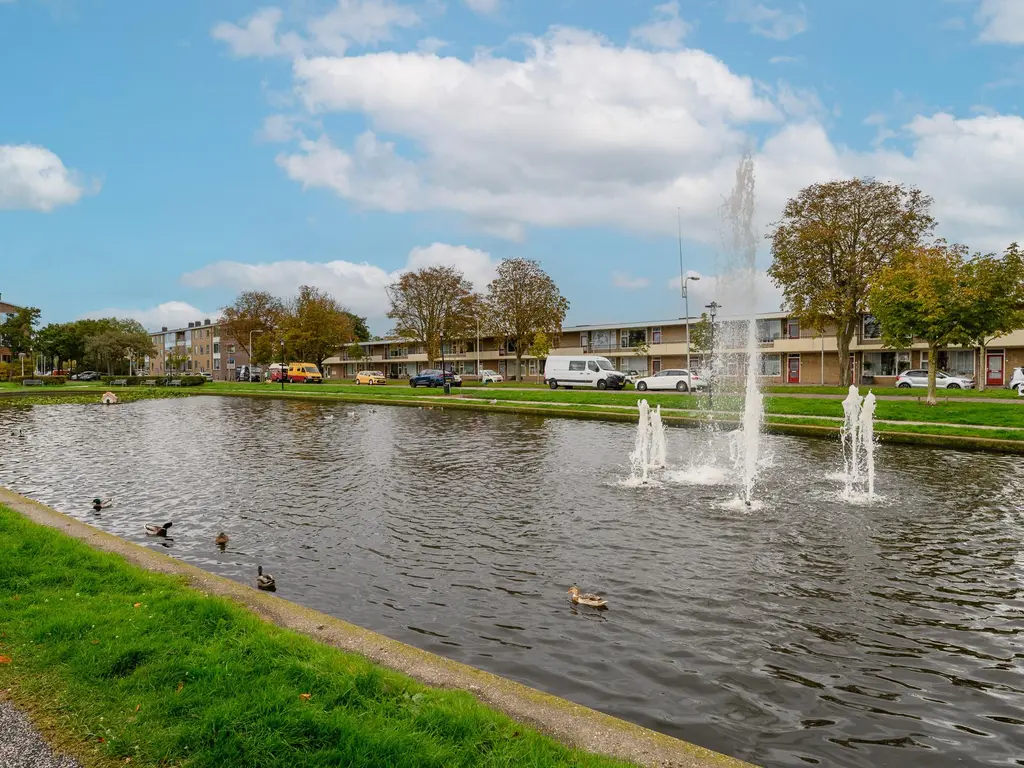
316 326
121 341
430 305
177 357
523 301
359 326
354 351
928 293
252 312
17 332
1002 281
832 241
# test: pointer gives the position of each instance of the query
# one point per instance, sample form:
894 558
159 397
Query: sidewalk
21 746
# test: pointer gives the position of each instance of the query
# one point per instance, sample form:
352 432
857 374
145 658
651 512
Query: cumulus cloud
773 23
349 22
483 7
622 280
34 178
1001 21
665 29
359 286
173 314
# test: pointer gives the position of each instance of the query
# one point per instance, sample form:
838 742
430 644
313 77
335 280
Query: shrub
192 381
5 371
48 381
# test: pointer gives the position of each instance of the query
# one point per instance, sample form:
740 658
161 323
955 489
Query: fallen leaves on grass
305 696
137 707
95 642
5 659
137 605
181 685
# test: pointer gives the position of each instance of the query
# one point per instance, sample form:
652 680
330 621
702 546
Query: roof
663 323
8 309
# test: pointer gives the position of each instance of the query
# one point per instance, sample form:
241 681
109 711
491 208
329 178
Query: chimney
164 329
206 322
190 325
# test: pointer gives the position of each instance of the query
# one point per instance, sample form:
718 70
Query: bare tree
523 301
431 305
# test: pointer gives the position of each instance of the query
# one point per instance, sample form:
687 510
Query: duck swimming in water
594 601
157 530
100 503
265 580
222 540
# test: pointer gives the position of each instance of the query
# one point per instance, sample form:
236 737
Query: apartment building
790 353
202 349
7 309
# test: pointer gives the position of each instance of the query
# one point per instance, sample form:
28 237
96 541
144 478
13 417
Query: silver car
918 377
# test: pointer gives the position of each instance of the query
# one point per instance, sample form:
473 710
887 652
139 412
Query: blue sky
156 158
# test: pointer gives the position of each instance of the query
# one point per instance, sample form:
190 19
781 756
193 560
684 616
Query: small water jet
649 447
857 437
659 449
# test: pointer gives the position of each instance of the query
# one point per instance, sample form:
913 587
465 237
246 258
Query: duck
157 530
265 580
594 601
100 503
222 539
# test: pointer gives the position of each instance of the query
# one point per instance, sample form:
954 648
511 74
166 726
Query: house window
959 362
656 365
771 365
533 367
655 335
231 349
885 363
769 330
872 328
510 346
231 362
583 340
216 348
602 339
793 329
629 339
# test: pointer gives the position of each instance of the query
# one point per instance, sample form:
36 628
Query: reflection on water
807 632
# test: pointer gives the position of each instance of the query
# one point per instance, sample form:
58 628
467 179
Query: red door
994 370
793 370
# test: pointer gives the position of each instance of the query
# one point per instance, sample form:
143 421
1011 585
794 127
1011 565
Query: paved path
21 746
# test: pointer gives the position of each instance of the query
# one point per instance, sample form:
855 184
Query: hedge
48 381
192 381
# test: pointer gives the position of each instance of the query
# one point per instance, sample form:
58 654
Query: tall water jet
740 241
659 449
640 458
867 439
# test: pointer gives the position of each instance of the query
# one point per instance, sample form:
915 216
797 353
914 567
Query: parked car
435 378
679 379
304 373
206 375
488 376
1016 379
918 377
582 371
248 373
86 376
370 377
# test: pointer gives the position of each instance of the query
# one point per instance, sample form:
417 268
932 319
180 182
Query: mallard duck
157 530
265 580
594 601
98 503
222 539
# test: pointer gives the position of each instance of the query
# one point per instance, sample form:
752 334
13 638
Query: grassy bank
118 663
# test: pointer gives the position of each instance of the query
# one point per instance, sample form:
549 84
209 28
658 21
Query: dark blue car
434 378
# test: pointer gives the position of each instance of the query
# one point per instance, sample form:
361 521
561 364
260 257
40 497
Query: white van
582 371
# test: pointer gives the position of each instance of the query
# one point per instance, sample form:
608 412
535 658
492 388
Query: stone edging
572 724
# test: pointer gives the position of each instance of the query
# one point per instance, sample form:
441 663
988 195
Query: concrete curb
572 724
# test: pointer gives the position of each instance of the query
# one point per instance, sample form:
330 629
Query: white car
1016 379
488 376
678 379
919 378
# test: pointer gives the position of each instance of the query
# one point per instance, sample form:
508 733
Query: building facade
790 353
5 310
196 348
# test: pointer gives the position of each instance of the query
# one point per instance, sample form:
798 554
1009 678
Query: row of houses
6 309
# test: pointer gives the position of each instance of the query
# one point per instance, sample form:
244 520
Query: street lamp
686 298
284 370
254 330
712 309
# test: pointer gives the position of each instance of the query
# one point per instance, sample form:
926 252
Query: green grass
995 393
125 663
1009 414
68 396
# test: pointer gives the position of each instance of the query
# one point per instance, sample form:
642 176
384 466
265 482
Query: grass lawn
121 663
996 393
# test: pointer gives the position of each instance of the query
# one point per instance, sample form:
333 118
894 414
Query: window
656 364
655 335
771 365
231 362
872 328
578 365
231 349
592 366
216 364
216 348
885 363
959 362
793 329
602 339
583 340
769 330
631 338
533 367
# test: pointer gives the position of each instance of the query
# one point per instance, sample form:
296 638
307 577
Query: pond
810 631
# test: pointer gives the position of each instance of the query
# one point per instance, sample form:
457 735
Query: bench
149 382
174 383
119 383
32 382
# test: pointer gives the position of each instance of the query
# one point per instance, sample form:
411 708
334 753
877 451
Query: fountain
857 437
659 448
649 448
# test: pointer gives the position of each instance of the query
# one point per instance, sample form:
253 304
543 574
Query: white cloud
279 128
768 22
665 29
430 45
1001 21
349 22
173 314
34 178
359 286
785 59
483 7
622 280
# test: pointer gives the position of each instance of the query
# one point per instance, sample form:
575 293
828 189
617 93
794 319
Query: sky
157 158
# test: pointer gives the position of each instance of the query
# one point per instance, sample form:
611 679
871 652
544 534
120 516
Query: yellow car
303 373
370 377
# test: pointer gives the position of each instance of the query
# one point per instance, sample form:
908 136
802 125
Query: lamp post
21 356
284 370
686 298
712 309
254 330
